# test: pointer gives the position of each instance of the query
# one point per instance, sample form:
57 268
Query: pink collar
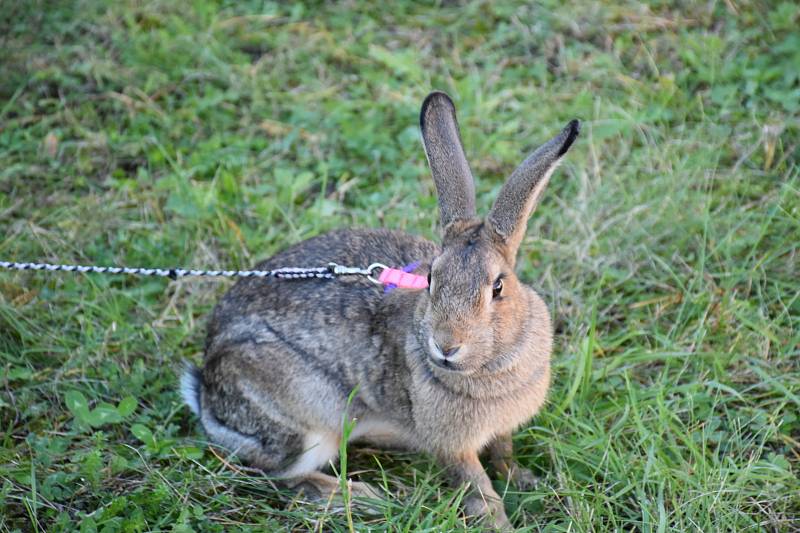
393 278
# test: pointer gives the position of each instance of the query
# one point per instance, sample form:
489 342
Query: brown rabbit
451 371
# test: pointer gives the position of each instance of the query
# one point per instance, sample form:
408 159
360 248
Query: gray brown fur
283 356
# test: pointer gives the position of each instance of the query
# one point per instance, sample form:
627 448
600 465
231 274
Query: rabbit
450 371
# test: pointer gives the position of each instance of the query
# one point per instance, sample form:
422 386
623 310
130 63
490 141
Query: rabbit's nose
448 351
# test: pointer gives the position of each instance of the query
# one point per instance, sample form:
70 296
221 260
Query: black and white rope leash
330 271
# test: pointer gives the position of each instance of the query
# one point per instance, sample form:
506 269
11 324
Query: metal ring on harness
371 270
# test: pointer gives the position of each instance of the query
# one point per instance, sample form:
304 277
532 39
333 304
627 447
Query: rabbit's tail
190 387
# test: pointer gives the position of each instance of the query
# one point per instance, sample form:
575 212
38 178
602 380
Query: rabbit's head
477 315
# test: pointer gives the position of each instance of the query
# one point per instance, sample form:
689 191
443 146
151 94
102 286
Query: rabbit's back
329 312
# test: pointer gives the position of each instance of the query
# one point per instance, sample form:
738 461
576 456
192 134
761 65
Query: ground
212 134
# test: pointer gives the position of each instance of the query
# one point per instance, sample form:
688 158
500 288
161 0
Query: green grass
209 135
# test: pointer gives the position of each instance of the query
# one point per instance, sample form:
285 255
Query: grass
210 134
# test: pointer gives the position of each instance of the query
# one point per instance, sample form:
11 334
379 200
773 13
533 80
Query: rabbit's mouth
439 360
447 365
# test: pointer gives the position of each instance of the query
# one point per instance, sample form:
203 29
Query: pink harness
402 279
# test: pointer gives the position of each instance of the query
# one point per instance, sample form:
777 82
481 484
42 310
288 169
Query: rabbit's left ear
520 194
440 136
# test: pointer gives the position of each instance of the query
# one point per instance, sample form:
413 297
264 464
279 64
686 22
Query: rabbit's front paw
489 510
523 479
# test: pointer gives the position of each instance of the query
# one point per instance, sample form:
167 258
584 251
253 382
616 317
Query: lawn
213 134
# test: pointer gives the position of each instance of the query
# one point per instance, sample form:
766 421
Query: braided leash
326 272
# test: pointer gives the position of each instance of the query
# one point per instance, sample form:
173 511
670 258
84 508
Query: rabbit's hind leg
290 456
293 458
243 415
246 421
259 441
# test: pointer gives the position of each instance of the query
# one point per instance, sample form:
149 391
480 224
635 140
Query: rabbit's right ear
442 141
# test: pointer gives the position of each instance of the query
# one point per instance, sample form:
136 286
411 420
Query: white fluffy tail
190 387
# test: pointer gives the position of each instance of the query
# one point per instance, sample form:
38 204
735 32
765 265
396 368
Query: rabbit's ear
440 136
518 197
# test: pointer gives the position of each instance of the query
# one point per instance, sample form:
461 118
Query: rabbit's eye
497 288
429 281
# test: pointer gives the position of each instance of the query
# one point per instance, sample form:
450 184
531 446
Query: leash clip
340 270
